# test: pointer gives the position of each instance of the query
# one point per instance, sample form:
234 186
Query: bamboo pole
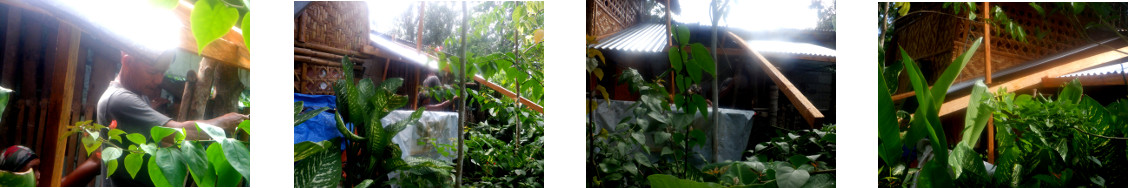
462 94
716 110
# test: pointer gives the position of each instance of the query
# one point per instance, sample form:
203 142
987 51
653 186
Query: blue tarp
320 127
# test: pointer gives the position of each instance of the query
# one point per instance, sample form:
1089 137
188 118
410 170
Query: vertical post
64 64
419 32
669 30
462 94
10 47
517 63
715 9
987 61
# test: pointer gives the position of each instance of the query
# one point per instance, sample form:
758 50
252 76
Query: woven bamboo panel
341 24
934 40
316 79
610 16
1060 34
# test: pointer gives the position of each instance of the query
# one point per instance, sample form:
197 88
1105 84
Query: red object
113 124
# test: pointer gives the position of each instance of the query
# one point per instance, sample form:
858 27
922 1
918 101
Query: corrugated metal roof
791 48
1118 68
408 53
648 37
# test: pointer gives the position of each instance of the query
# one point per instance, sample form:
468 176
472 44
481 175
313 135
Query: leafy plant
373 156
211 19
224 162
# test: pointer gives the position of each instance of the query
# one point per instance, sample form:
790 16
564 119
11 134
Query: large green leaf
319 170
155 174
1071 92
246 26
675 58
133 163
165 4
159 133
136 138
975 120
934 174
787 177
110 156
90 144
214 132
940 87
308 148
965 163
703 59
195 157
17 179
5 95
925 117
888 131
169 163
238 155
226 175
245 126
211 20
668 181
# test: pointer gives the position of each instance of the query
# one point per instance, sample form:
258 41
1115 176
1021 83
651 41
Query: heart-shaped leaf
211 20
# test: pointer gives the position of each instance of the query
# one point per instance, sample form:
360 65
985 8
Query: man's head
143 75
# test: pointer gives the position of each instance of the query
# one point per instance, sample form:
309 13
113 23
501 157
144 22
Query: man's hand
229 121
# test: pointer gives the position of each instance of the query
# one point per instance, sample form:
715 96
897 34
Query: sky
154 28
768 14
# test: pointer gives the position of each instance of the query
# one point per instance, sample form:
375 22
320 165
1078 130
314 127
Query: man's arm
227 122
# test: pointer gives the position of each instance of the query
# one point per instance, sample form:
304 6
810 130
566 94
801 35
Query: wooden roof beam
802 104
1098 80
1102 56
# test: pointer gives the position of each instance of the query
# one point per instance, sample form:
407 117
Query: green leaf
699 103
682 34
639 137
1037 8
966 163
169 163
211 20
788 177
889 132
364 184
195 157
110 153
694 72
227 175
216 133
238 155
159 133
975 120
668 181
1071 92
934 174
150 148
136 138
703 59
246 26
308 148
17 179
111 166
245 126
115 134
156 175
940 87
320 170
133 163
164 4
675 58
90 144
797 160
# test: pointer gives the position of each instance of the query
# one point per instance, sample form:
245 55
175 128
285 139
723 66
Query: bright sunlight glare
753 15
137 21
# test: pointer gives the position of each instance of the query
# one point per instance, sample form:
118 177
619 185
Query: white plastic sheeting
414 140
732 133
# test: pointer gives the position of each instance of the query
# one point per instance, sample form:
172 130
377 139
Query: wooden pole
987 62
462 94
64 67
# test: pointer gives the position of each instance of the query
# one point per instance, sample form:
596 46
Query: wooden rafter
802 104
1101 56
1098 80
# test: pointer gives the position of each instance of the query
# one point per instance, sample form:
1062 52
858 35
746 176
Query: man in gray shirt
126 101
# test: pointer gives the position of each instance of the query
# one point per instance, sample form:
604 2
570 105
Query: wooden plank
1100 56
1097 80
509 94
804 106
11 44
64 69
987 48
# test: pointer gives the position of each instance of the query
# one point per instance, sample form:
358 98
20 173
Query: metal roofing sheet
1118 68
648 37
406 52
791 48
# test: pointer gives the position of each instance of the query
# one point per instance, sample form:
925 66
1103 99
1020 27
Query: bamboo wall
30 45
610 16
